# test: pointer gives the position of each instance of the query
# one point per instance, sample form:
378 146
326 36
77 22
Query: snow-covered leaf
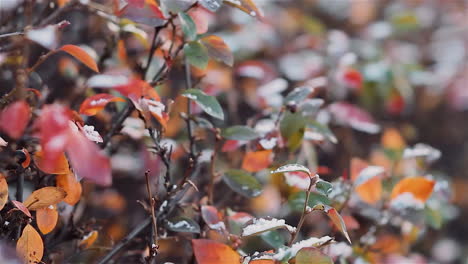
182 224
208 103
261 225
291 168
287 253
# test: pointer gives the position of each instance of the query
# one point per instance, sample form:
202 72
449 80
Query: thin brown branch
154 242
305 211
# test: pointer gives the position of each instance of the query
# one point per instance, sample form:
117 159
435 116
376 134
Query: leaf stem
304 211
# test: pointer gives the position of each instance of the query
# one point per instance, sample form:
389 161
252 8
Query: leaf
212 217
149 13
182 224
87 160
212 252
197 54
207 103
47 218
81 55
239 133
188 26
94 104
274 239
243 183
212 5
14 119
420 187
257 160
371 191
27 158
336 219
30 246
246 6
60 166
324 187
392 139
3 191
88 240
286 253
262 225
71 186
44 197
20 206
298 95
433 217
347 114
368 184
218 50
292 129
322 129
296 200
292 168
310 255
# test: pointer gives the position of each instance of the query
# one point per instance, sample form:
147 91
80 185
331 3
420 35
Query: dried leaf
44 197
47 218
81 55
71 186
212 252
338 221
30 246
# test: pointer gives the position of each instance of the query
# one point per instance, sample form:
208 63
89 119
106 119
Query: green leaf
298 94
292 128
322 129
207 103
182 224
311 255
188 26
292 168
197 54
433 217
218 50
242 183
324 187
239 133
273 238
296 200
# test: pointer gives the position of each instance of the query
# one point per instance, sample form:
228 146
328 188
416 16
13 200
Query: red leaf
54 125
81 55
92 105
353 116
87 160
136 88
231 145
212 252
147 13
22 208
337 221
14 119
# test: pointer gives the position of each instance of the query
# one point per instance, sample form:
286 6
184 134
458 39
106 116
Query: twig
40 61
154 243
212 167
12 34
305 211
153 48
188 85
122 116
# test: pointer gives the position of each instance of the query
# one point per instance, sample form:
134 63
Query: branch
305 211
154 243
122 116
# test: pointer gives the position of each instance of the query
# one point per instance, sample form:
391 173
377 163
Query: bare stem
304 212
154 244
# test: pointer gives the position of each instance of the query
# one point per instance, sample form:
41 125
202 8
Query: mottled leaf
30 246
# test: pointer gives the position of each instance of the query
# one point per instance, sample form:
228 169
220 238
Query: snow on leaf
92 134
419 187
367 174
45 36
285 254
92 105
212 217
208 103
298 179
291 168
422 150
311 255
107 81
261 225
183 224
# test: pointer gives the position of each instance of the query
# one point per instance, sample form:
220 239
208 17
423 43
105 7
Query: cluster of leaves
224 157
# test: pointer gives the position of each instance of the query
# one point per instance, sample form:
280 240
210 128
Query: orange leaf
14 119
71 186
89 239
262 261
81 55
212 252
335 217
92 105
392 139
59 167
30 246
44 197
257 161
248 6
420 187
27 160
218 49
370 191
46 219
3 191
357 165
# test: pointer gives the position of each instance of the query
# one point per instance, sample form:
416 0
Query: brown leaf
46 219
44 197
71 186
30 246
3 191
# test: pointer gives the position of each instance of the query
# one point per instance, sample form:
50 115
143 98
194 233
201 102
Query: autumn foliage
220 132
